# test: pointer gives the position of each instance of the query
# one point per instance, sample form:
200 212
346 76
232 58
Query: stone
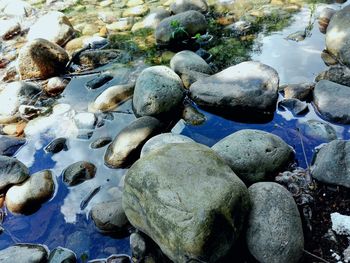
239 28
338 35
123 24
24 253
10 145
247 87
158 92
192 116
152 20
56 145
318 130
274 232
15 94
9 28
139 10
132 3
56 85
300 91
101 142
186 60
331 162
85 120
62 255
172 196
137 245
190 77
96 58
127 144
296 106
99 81
17 8
78 172
332 101
180 6
338 74
31 194
54 27
323 19
254 155
109 217
162 140
41 59
328 59
113 96
12 172
192 22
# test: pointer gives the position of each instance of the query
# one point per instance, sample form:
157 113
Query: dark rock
99 81
57 145
333 100
338 74
24 253
301 91
138 246
10 145
96 58
62 255
127 145
296 106
101 142
274 232
12 172
331 163
172 196
78 172
254 155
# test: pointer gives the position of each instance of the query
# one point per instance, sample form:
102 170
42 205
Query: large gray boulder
274 232
331 163
186 60
127 145
338 35
248 86
12 172
28 196
190 23
333 100
41 58
187 200
158 91
54 27
254 155
24 253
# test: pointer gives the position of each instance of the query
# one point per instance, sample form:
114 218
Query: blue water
61 222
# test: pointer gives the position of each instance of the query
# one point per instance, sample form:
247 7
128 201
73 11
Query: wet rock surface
12 172
162 194
78 172
25 253
62 255
9 145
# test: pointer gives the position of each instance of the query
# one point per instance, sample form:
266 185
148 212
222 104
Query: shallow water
61 222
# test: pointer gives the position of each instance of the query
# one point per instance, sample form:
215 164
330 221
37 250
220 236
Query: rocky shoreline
242 198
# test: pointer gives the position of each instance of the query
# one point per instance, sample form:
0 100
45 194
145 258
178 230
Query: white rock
17 8
340 224
85 120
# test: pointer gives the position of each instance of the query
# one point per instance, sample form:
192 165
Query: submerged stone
78 172
10 145
62 255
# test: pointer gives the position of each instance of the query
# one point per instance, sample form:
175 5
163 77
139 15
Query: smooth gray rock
180 6
62 255
42 59
126 146
192 22
78 172
101 142
57 145
152 20
163 139
12 172
60 31
187 200
24 253
186 60
318 130
27 197
158 91
254 155
274 232
10 145
331 163
333 100
189 77
248 86
109 217
338 35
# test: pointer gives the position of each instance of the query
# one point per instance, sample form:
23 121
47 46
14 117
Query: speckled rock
274 232
254 155
33 192
24 253
12 172
172 196
127 144
158 91
41 59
